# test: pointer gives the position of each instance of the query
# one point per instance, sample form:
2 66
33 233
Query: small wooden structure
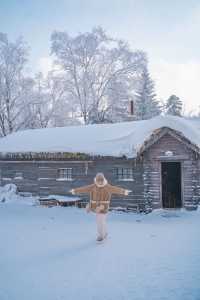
59 201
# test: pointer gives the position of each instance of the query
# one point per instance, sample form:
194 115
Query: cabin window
18 176
65 174
124 174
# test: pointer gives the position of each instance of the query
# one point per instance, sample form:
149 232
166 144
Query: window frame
17 177
69 174
124 174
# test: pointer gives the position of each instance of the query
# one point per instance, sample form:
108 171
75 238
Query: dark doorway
171 184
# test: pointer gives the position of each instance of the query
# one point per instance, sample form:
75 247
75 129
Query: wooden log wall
41 177
30 175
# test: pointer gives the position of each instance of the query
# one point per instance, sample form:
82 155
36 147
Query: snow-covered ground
51 254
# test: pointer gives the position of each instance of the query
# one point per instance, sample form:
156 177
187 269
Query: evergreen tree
146 104
174 106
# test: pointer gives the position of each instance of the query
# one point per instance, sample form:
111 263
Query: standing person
100 194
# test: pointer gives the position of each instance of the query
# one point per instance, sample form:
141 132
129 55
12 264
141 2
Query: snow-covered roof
119 139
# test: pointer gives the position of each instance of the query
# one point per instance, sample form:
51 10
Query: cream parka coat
100 196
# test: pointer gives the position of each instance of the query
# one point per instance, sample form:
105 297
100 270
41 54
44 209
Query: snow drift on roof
119 139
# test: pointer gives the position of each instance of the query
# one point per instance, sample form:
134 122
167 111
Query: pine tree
146 104
174 106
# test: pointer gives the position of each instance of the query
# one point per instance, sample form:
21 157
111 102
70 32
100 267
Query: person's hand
127 192
87 208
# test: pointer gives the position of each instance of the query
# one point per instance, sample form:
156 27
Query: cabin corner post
191 183
198 181
148 196
195 186
151 177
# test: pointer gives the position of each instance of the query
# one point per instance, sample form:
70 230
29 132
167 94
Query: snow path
51 254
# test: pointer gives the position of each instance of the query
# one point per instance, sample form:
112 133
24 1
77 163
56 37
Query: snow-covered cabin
158 159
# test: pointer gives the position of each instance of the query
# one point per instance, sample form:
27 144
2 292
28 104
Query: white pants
101 225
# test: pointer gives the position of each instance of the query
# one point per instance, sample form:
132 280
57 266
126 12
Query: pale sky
168 30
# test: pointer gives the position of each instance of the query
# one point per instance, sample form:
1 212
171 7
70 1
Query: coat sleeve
117 190
83 190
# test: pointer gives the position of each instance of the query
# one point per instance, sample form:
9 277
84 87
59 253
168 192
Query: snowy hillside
104 139
52 254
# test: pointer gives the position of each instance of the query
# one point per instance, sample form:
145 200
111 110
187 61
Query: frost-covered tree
27 102
146 104
49 106
174 106
61 109
14 86
94 66
48 95
121 94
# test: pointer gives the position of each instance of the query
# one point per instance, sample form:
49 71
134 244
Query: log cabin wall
190 169
41 177
23 174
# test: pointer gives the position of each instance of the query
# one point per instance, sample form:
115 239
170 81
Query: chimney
131 108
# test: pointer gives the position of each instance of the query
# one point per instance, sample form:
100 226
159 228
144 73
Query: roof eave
160 132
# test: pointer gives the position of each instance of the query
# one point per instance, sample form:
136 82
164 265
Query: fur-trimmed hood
105 182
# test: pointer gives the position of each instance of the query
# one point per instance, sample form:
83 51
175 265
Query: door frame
182 182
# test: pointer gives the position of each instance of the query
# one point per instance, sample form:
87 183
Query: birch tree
50 106
93 64
14 86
